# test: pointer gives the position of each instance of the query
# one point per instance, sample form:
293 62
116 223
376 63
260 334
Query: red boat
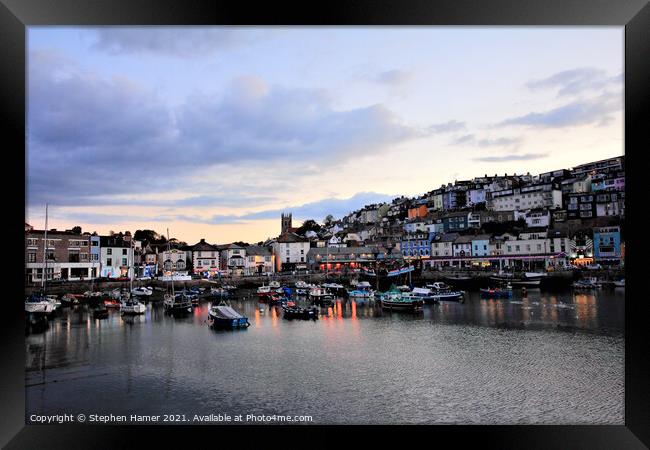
112 303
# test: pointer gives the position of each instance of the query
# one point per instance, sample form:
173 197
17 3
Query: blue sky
213 131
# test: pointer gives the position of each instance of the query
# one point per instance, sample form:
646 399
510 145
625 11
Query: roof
448 237
288 238
202 246
258 250
482 237
228 246
464 239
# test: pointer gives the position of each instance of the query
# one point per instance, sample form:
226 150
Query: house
538 217
232 259
616 164
441 245
541 195
416 245
417 211
455 221
116 256
481 245
259 260
344 259
607 245
205 258
462 246
68 255
173 260
290 251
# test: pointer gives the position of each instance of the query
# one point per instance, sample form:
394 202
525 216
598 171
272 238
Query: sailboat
130 304
38 305
173 302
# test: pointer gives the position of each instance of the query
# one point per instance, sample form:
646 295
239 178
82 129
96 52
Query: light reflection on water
542 358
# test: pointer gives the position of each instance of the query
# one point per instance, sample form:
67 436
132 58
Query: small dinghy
225 317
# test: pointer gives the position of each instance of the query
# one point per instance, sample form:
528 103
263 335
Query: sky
212 132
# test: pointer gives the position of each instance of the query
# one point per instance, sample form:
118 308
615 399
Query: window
124 262
31 257
94 243
109 251
109 261
124 251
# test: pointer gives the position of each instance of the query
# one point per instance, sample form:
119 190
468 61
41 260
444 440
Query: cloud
392 77
576 81
316 210
465 139
500 142
580 112
185 42
446 127
512 157
91 137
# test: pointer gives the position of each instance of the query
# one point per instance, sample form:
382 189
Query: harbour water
548 358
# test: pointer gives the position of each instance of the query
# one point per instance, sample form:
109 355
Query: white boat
300 284
38 304
92 294
319 294
361 293
587 283
264 290
132 306
620 283
439 286
142 291
274 284
335 286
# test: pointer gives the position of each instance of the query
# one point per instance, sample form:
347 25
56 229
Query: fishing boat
401 301
440 291
320 296
300 313
225 317
264 291
505 292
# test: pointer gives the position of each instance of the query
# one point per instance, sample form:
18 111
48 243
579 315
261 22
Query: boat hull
402 306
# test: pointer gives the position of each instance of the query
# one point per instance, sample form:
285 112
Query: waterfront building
259 260
462 246
416 245
481 245
231 259
344 259
68 256
441 245
173 260
116 256
149 261
290 251
607 245
205 258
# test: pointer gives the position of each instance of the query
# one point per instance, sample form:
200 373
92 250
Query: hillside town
557 220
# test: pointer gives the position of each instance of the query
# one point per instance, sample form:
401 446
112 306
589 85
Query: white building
205 258
259 260
527 197
173 260
116 257
290 251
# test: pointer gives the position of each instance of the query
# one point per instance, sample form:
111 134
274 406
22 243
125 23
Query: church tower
286 223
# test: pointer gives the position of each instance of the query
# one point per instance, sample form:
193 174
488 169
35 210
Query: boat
302 285
264 291
400 301
142 291
361 293
220 292
320 296
274 284
131 306
93 294
440 291
300 313
517 281
38 304
496 292
225 317
54 300
620 283
112 303
586 284
175 302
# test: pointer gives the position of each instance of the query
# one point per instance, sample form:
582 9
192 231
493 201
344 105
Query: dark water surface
548 358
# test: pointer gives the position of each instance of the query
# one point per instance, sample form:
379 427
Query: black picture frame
16 15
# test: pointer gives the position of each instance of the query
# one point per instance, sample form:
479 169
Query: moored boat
225 317
496 292
400 301
620 283
300 313
320 295
38 304
132 306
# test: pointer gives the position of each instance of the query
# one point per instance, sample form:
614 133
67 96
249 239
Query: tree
76 229
242 244
308 225
328 220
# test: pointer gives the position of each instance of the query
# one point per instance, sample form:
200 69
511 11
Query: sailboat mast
132 265
169 249
43 280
